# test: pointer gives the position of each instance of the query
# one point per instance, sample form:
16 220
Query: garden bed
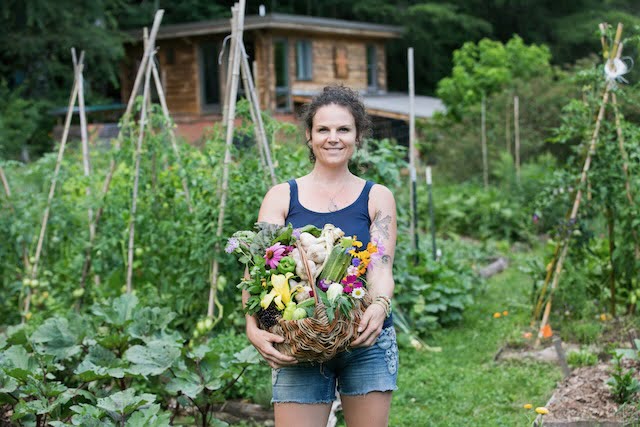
584 399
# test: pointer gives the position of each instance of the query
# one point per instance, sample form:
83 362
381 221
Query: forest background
35 70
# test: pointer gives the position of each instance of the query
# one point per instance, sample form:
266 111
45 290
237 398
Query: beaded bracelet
385 302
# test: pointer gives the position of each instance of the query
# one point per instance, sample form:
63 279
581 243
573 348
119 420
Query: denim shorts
354 372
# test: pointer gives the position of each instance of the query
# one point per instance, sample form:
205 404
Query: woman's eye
344 129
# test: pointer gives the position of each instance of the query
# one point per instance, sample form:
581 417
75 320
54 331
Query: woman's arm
273 210
382 208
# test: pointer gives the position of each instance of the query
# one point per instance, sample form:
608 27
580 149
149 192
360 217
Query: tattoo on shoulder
380 224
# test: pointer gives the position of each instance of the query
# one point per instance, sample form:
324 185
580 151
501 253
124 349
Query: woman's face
333 136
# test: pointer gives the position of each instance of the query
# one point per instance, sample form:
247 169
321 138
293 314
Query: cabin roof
279 21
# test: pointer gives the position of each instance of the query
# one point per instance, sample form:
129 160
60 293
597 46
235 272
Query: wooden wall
180 78
323 64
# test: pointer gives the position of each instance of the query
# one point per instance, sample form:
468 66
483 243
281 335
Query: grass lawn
462 385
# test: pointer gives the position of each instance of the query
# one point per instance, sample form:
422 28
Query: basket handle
312 280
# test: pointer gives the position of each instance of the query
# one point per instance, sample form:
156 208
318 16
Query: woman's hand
370 326
263 342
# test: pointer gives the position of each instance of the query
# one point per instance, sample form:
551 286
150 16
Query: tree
487 67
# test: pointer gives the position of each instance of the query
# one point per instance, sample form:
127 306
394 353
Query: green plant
112 367
577 359
622 384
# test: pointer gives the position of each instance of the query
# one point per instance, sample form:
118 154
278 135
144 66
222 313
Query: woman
365 376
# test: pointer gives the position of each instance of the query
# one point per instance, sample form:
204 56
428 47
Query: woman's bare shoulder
275 205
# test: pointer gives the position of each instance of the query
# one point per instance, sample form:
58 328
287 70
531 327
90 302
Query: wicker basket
315 339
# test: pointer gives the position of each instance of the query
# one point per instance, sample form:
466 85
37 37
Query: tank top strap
365 193
293 195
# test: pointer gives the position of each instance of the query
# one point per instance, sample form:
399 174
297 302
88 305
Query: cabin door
209 77
281 70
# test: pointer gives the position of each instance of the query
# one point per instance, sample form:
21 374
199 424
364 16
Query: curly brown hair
345 97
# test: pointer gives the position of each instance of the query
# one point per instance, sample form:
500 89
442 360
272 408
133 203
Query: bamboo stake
5 183
574 211
52 189
136 177
413 233
483 130
230 64
507 128
231 113
256 115
516 130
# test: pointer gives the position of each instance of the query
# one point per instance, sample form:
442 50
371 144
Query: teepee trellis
78 67
237 67
554 269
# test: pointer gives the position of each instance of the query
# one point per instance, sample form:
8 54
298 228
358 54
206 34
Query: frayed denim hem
322 402
369 391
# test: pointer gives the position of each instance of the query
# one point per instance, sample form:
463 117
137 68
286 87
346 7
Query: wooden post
5 183
516 131
412 152
483 130
507 127
431 215
231 114
230 65
136 177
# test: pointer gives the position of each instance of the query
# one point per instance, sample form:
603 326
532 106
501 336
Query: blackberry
269 317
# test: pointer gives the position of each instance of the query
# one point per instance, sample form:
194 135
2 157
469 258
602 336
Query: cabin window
304 55
281 65
372 68
170 56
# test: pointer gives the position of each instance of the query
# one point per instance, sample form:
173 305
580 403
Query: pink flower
274 254
349 280
347 289
357 284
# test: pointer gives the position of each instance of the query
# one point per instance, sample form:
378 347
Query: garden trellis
613 68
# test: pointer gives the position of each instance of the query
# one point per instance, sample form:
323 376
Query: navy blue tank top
354 219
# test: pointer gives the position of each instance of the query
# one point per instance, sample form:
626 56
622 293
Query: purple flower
355 262
296 233
324 285
232 245
535 218
357 284
347 289
274 254
349 280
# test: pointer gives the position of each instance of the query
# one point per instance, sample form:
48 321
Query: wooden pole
507 127
143 63
5 183
256 115
574 213
483 130
52 189
136 177
412 151
231 113
516 131
230 64
431 215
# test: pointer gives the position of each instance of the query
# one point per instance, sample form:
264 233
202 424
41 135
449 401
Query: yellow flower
497 315
280 294
356 243
505 313
542 410
528 406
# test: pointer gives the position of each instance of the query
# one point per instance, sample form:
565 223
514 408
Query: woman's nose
333 136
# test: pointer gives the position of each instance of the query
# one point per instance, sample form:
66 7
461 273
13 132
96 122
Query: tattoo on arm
385 260
381 225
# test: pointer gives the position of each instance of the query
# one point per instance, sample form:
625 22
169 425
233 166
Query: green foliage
487 67
622 384
580 358
101 369
433 293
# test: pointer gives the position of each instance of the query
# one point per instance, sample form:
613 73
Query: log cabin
293 57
